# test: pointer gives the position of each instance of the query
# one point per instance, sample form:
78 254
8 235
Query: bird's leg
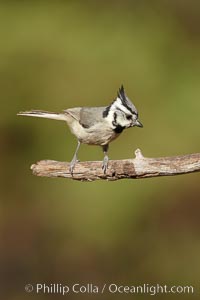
74 159
105 160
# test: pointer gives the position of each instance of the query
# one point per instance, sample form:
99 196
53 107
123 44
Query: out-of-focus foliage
60 54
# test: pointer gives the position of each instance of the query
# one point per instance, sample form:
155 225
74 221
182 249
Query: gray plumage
95 125
87 116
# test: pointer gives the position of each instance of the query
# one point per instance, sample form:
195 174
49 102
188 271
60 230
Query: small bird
95 125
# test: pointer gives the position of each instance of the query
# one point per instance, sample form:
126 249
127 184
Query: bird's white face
122 116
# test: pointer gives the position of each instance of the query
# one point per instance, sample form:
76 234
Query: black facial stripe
132 112
114 122
128 107
118 108
118 128
106 111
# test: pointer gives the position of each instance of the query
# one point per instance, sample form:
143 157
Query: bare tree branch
139 167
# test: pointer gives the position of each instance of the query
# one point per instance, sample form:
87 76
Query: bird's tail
43 114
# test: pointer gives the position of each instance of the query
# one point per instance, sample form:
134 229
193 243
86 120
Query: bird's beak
138 124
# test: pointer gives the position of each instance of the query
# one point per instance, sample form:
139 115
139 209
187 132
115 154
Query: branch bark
138 167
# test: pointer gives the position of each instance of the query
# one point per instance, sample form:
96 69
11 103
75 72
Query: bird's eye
129 117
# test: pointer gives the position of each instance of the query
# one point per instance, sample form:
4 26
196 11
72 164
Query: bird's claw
105 164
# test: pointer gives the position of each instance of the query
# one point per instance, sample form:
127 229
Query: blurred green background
60 54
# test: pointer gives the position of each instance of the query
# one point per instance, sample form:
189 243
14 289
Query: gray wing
89 116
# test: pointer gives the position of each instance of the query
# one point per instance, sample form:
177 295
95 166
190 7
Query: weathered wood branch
138 167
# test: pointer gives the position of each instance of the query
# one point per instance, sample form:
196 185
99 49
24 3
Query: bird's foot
105 164
72 165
